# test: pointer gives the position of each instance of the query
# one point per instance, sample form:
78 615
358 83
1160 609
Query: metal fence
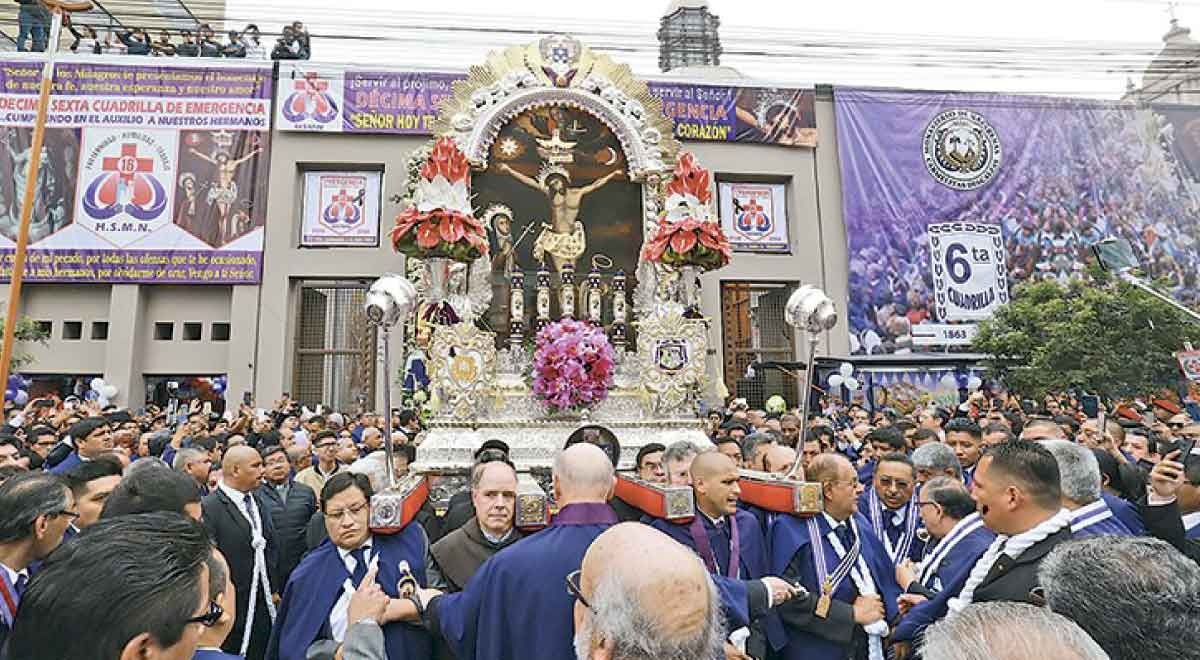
754 331
335 348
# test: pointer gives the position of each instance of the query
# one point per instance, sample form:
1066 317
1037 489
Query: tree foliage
27 331
1103 336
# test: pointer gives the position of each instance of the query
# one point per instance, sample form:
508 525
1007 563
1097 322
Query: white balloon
852 383
854 345
836 380
109 391
846 370
871 341
97 383
974 383
22 398
949 381
102 402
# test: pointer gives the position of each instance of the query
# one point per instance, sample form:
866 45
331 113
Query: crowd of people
293 42
976 532
1133 174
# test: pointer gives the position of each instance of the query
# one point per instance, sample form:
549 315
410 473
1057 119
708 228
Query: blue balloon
91 395
9 395
22 398
14 382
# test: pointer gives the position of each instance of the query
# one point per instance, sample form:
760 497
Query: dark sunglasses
209 618
575 590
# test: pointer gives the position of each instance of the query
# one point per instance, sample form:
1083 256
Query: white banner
969 266
754 216
341 209
944 334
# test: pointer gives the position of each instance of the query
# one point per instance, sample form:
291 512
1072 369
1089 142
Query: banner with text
952 199
319 98
154 174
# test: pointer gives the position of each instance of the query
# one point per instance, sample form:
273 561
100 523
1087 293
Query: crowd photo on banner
535 433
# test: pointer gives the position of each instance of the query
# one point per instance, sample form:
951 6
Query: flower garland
688 234
572 365
439 222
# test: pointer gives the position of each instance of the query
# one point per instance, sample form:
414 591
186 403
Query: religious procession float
578 317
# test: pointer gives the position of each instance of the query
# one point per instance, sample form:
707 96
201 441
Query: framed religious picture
341 209
754 216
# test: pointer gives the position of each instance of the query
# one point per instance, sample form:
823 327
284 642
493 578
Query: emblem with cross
127 165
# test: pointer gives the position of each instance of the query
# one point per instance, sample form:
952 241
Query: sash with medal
903 546
704 547
830 581
928 568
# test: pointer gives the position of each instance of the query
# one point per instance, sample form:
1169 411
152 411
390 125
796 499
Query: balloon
852 383
871 341
91 395
97 383
109 391
974 383
22 398
14 382
846 370
836 380
9 395
949 381
102 402
854 345
218 386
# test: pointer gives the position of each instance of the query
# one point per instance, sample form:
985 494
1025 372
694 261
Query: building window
220 331
335 348
192 331
755 333
164 331
72 330
99 330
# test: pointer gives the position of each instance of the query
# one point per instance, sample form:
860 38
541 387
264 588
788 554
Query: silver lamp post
810 310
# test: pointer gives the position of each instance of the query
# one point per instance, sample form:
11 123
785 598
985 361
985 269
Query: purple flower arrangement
572 365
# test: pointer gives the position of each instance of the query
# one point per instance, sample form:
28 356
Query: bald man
641 594
851 583
728 540
779 459
517 606
240 527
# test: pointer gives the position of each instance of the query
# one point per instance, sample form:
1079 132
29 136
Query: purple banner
402 102
153 173
142 267
949 198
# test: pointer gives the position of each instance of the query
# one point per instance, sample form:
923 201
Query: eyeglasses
1037 596
353 511
209 618
73 515
921 504
575 590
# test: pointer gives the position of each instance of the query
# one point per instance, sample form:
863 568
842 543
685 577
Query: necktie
360 565
248 503
846 534
22 581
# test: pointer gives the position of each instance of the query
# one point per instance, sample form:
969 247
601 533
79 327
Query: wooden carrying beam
775 492
674 503
394 508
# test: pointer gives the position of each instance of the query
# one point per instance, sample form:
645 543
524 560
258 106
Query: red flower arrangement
688 234
440 222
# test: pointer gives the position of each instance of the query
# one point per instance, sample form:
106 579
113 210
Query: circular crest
961 149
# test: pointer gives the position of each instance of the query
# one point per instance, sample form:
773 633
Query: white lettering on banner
944 334
69 112
969 265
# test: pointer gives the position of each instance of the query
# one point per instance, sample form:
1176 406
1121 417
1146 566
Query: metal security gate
335 348
754 331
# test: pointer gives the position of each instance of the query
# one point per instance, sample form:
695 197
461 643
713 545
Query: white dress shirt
341 609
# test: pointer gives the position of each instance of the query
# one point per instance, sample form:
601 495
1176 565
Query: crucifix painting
561 175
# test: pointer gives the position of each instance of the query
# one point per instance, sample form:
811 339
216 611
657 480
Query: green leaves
1101 335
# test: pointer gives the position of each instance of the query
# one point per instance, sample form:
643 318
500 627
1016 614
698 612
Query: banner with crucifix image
149 174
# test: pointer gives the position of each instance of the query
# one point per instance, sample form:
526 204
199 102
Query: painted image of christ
564 239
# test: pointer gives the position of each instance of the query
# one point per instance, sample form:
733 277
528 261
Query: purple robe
316 584
517 605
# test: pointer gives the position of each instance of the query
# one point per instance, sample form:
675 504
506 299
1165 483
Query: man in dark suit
1017 489
241 528
1160 508
291 504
